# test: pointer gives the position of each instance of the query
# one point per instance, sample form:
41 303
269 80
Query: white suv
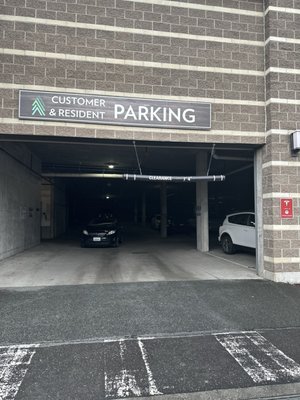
237 230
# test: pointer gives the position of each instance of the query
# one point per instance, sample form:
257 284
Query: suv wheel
227 246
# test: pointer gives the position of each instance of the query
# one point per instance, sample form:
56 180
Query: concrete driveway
143 257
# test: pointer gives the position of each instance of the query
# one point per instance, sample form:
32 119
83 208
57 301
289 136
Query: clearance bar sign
113 110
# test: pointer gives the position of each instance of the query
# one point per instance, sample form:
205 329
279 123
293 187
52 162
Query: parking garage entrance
168 230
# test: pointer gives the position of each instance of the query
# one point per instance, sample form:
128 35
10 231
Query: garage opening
157 222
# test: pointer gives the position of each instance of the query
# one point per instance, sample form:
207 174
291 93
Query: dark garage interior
71 194
66 163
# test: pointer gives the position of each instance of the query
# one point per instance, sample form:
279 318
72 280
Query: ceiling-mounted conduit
239 169
233 158
230 158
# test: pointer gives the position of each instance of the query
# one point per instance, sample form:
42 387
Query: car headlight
85 232
111 232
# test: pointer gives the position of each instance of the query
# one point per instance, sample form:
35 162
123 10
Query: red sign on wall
286 208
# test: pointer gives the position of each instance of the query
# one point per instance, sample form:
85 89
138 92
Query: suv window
240 219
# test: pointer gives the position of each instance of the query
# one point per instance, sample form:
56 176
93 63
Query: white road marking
259 358
122 348
14 363
233 262
288 366
152 384
123 384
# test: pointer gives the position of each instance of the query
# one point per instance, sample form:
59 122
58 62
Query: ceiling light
107 197
111 164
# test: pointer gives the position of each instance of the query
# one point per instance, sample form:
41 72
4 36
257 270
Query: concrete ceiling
87 156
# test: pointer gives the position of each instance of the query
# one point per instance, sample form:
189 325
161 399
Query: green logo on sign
38 106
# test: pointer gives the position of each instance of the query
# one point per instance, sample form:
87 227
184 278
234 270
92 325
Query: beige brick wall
282 179
193 50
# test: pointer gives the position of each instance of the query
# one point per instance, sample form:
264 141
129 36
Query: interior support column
163 210
202 204
135 213
144 208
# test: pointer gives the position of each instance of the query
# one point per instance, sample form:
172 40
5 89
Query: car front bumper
98 241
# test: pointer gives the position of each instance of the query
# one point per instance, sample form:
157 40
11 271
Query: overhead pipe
162 178
82 175
135 177
230 158
240 169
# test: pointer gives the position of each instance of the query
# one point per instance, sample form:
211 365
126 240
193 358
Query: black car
101 231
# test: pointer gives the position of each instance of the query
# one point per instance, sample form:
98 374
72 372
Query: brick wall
281 172
109 46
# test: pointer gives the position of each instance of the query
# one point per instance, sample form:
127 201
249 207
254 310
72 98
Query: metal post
135 217
202 204
163 210
144 209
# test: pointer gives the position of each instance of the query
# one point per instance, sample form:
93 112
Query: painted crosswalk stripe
133 376
124 383
14 363
259 358
152 384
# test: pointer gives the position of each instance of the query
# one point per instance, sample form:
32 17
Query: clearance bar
134 177
161 178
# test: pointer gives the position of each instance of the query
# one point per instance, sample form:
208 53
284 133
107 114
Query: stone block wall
281 171
201 51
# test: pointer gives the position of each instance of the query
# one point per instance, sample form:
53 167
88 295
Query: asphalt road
66 313
145 367
166 339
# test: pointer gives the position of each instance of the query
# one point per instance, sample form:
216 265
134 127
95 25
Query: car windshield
105 219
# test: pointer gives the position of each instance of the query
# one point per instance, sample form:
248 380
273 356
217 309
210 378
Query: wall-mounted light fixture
295 142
